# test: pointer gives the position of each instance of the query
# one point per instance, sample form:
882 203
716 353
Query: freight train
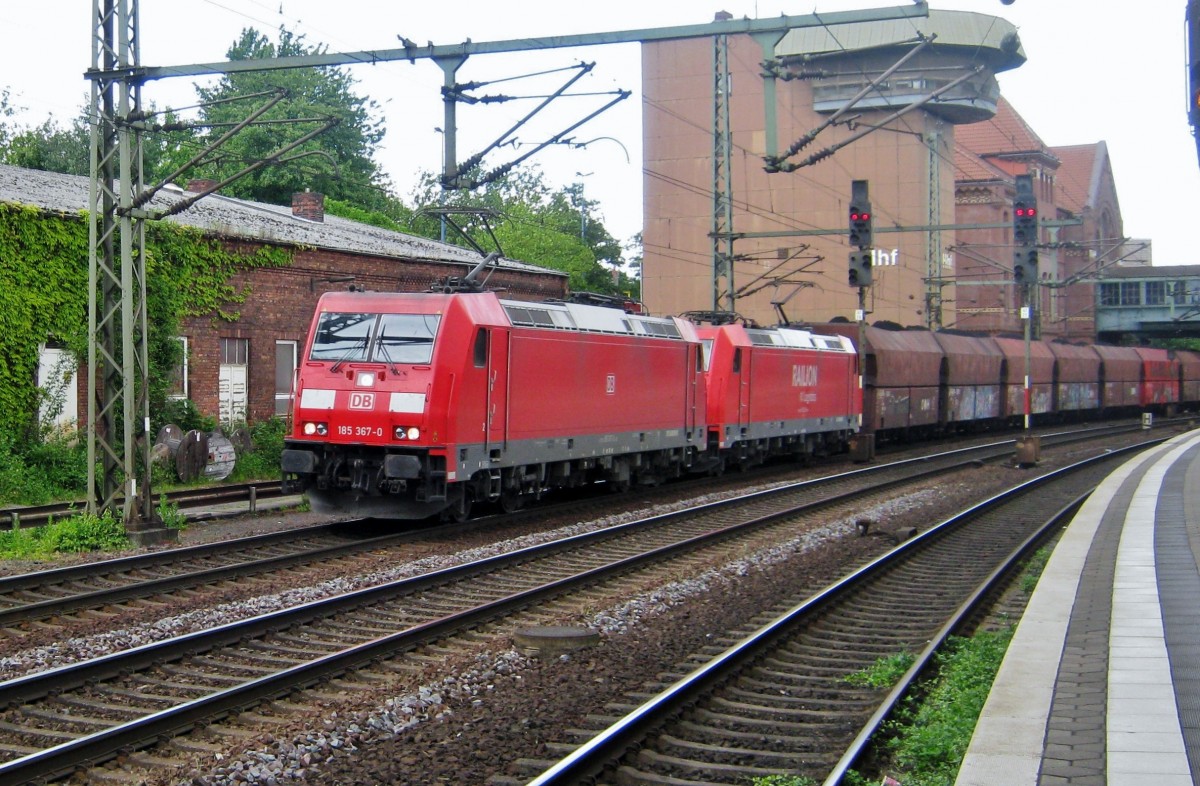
412 405
919 383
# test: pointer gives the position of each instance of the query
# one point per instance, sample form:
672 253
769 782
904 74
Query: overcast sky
1100 70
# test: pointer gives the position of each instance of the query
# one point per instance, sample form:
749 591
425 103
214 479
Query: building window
1131 293
285 374
1156 293
233 390
178 386
235 351
1110 294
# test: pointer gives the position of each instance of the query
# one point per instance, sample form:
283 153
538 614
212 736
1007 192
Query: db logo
362 401
610 384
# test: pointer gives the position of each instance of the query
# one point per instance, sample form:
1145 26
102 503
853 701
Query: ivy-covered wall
43 294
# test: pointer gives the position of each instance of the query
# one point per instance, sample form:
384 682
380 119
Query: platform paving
1101 684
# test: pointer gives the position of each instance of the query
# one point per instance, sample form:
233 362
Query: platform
1101 683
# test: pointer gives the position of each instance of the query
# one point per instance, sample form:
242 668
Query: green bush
42 470
263 461
182 413
81 532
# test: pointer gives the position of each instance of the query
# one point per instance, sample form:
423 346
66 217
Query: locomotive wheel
459 509
620 486
511 501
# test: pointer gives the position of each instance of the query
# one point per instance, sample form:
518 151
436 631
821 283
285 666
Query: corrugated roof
242 218
995 39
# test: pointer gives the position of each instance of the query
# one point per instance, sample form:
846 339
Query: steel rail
37 515
58 759
165 559
142 589
593 757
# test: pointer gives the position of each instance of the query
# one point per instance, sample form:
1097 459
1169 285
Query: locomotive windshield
374 338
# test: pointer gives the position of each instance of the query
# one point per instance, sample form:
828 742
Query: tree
50 148
6 110
339 163
538 225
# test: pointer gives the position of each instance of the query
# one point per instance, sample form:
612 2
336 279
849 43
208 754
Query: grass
784 780
928 737
78 533
884 672
930 734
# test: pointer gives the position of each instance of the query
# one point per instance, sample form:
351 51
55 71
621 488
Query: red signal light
860 216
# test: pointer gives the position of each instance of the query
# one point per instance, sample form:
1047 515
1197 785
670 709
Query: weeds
931 733
1033 570
784 780
169 515
81 532
883 673
263 461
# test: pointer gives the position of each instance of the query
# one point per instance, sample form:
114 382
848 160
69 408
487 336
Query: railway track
774 699
86 712
53 593
164 575
191 498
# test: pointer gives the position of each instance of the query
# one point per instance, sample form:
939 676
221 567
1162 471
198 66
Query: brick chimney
200 185
308 205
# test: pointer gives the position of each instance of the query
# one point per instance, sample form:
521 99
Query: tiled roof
240 218
1078 177
1005 133
969 167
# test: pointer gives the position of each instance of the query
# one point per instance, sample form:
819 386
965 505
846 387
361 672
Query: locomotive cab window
342 337
376 338
405 338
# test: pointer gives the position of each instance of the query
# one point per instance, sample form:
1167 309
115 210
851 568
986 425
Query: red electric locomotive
778 392
414 404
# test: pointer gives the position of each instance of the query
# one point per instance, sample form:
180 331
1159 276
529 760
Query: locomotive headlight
320 429
414 433
400 432
365 379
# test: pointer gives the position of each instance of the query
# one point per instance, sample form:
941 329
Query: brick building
1073 185
947 163
241 370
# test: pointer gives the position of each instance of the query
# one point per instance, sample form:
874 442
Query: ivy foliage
44 286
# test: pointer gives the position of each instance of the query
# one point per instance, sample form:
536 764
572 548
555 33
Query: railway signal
860 268
860 235
1025 232
860 215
